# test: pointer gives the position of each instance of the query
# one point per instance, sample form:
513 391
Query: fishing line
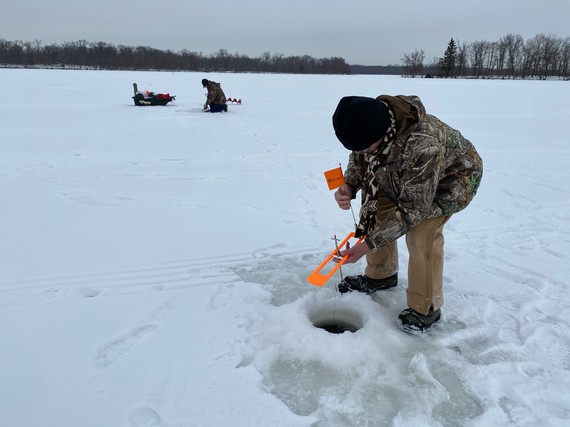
341 279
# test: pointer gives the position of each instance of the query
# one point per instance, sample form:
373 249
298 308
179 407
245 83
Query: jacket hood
408 111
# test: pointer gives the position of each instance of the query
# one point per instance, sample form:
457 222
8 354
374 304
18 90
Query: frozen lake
153 260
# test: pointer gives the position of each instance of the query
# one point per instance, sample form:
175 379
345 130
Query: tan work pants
425 266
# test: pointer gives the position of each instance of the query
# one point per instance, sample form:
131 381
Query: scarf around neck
367 221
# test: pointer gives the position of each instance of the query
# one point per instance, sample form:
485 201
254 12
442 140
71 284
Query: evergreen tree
447 63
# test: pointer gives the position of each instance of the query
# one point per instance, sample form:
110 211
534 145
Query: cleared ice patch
336 319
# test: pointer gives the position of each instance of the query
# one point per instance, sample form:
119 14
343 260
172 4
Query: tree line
541 57
108 56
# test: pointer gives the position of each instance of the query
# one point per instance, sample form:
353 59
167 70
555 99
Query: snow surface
153 260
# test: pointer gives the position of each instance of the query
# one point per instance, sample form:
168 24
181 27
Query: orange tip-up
318 278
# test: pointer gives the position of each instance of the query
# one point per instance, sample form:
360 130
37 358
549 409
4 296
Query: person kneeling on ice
216 98
414 172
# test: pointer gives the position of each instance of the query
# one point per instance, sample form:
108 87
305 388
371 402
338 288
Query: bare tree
514 44
414 63
564 59
501 57
478 49
491 57
550 53
461 61
530 58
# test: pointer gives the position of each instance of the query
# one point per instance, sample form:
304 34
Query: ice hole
336 320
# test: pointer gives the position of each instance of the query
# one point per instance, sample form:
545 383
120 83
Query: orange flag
334 178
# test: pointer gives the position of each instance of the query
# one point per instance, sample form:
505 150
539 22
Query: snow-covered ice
153 260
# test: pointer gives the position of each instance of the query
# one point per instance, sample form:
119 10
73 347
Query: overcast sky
367 32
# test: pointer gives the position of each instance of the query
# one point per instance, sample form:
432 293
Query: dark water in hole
336 327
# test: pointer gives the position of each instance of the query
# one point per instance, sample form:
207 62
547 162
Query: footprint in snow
223 296
145 417
111 352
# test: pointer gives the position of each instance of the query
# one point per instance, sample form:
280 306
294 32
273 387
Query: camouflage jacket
215 94
430 170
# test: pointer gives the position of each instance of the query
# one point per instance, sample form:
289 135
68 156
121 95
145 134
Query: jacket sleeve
211 95
413 189
353 173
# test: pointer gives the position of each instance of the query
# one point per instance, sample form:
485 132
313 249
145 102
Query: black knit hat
359 121
205 82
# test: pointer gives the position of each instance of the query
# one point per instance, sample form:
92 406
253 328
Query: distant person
216 99
414 171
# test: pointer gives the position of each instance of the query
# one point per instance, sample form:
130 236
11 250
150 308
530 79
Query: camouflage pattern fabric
215 94
429 170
